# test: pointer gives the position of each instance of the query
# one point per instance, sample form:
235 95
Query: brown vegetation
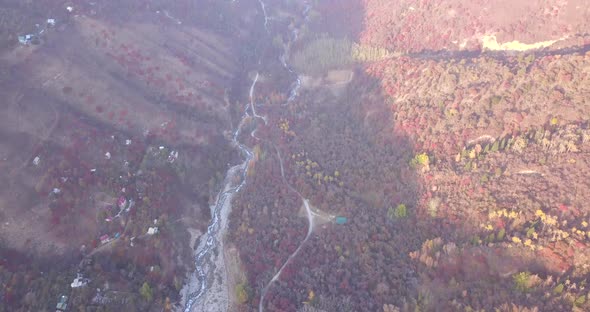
111 124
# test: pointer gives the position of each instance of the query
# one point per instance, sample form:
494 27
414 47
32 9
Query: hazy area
294 155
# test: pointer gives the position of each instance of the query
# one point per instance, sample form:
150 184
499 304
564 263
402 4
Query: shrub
495 146
146 292
491 238
521 281
519 145
401 211
242 293
494 100
484 178
580 301
420 160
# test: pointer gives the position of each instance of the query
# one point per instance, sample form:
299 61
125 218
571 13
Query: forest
398 155
460 171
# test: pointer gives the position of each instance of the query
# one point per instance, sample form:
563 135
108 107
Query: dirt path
314 217
210 289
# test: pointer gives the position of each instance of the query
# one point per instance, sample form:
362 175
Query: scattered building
79 281
100 298
62 303
152 230
173 156
26 39
105 239
341 220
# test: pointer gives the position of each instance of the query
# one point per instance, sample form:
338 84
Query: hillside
305 156
451 165
114 120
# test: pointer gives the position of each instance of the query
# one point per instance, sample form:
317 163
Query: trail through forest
211 294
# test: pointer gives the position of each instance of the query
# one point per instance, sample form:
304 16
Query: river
207 289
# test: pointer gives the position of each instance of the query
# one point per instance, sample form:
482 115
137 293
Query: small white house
26 39
152 230
79 281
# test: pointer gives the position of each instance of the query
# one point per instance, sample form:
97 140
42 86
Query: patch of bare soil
337 77
335 80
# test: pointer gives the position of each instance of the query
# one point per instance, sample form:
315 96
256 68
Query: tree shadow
348 159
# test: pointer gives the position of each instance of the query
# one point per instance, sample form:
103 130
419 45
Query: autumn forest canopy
305 156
